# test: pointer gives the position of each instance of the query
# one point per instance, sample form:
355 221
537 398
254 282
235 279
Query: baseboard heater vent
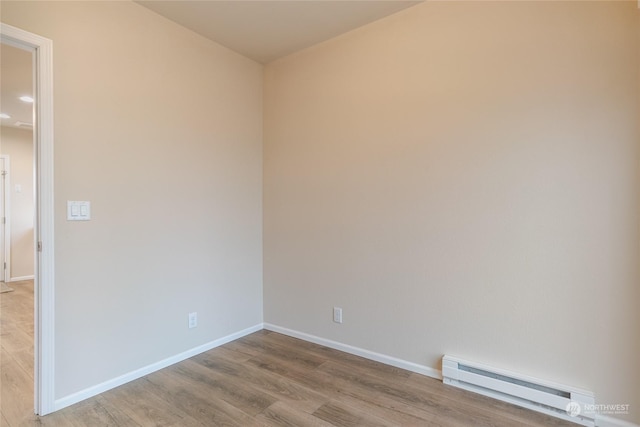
553 399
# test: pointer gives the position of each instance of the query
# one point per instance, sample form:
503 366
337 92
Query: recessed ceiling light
26 98
4 116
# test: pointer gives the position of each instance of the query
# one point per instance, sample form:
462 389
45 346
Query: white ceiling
15 81
266 30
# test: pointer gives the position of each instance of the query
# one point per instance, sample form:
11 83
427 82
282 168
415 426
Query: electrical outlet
193 320
337 314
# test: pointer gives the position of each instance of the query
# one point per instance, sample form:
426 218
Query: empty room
316 213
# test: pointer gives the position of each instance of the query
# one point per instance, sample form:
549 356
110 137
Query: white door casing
5 219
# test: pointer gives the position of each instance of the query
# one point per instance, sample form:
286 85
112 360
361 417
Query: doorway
17 150
17 248
40 51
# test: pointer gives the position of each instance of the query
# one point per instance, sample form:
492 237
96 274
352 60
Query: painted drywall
161 130
463 178
18 145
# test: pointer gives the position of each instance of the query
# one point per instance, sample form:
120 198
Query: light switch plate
78 210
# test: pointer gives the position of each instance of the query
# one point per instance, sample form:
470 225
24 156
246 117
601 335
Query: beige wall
463 178
161 130
18 145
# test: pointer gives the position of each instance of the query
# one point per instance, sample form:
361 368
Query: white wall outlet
337 314
193 320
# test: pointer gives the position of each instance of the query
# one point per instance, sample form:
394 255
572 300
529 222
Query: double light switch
78 211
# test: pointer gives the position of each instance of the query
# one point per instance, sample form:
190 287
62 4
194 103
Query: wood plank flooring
264 379
16 354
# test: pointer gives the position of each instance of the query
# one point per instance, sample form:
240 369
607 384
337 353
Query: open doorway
17 231
41 50
17 151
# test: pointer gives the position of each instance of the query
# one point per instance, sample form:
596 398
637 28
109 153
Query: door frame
5 273
44 291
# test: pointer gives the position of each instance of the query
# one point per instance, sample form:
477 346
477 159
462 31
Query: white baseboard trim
19 278
607 421
601 420
371 355
138 373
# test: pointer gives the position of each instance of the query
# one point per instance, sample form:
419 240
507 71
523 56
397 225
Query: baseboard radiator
521 390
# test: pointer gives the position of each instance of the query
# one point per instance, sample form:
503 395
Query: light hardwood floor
16 353
264 379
